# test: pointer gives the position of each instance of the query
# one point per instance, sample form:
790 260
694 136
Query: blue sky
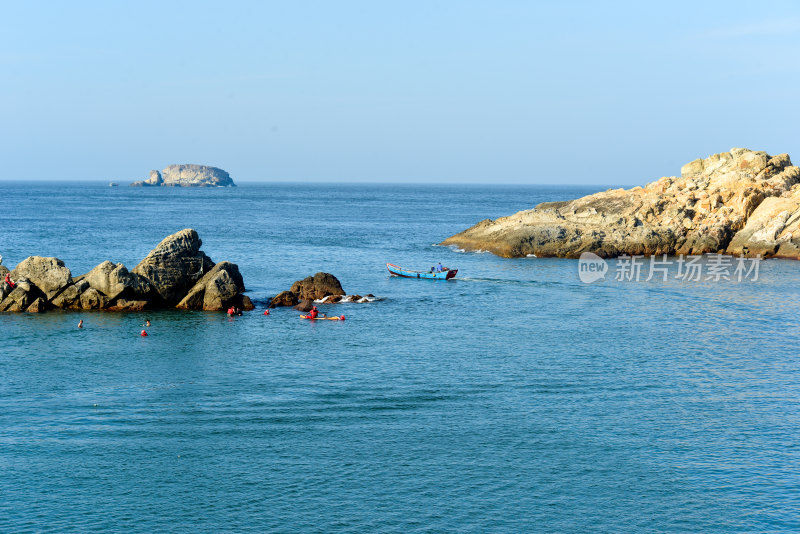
457 92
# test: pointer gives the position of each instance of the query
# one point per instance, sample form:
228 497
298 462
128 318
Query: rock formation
322 288
188 175
738 202
174 274
311 288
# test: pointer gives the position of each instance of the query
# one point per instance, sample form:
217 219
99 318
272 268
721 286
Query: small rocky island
188 175
323 288
740 202
175 274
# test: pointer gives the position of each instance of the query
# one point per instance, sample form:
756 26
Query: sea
518 397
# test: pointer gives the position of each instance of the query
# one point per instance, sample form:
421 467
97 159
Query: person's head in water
147 322
80 323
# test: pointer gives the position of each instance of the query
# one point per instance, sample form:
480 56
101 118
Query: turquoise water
513 399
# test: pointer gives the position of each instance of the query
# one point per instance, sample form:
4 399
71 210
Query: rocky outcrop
311 288
317 287
322 288
218 289
47 274
114 281
175 265
739 202
176 272
188 175
773 229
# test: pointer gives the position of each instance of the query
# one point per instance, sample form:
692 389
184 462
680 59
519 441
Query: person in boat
313 313
439 267
8 281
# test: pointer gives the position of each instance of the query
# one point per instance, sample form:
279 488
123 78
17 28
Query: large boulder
217 290
175 266
48 274
114 280
311 288
701 211
317 287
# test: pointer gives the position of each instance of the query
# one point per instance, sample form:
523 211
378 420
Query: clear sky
413 91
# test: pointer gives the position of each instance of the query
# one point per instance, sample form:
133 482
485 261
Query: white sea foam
531 256
350 298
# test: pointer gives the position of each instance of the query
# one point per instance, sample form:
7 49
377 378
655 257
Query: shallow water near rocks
514 398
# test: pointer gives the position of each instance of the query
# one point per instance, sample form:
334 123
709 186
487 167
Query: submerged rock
718 204
305 305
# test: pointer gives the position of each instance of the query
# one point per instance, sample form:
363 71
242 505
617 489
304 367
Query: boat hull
406 273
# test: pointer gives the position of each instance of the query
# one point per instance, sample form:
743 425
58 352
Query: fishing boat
446 274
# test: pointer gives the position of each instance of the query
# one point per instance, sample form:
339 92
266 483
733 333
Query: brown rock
317 287
305 305
243 302
129 305
284 298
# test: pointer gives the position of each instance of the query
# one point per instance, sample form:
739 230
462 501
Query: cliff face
188 175
739 202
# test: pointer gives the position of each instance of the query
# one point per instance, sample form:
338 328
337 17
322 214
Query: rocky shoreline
175 274
740 202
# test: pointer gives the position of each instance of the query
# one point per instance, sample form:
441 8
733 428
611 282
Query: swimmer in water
80 323
147 322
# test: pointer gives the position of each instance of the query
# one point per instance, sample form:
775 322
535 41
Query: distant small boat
447 274
113 184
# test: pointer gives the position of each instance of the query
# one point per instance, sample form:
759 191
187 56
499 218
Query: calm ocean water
514 399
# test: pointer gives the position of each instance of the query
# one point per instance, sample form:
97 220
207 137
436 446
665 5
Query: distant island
740 202
188 175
